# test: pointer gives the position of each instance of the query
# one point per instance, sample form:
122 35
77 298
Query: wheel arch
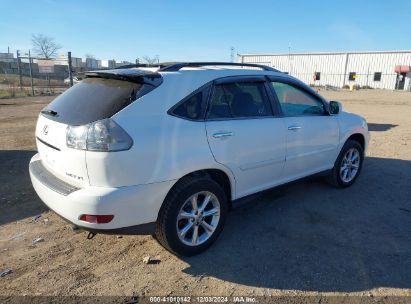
334 177
220 176
358 137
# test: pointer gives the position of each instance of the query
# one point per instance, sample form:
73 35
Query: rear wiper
49 112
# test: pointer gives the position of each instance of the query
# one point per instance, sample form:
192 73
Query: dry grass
13 81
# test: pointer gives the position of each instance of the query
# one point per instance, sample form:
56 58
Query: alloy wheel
198 218
350 165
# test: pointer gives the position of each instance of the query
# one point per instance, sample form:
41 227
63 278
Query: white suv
170 151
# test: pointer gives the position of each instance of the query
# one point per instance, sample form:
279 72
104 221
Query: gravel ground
306 238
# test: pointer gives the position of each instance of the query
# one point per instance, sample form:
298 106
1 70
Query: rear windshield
94 99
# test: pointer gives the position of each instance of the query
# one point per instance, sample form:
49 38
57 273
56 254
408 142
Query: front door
245 135
312 134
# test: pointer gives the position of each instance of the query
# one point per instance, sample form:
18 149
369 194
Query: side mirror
335 107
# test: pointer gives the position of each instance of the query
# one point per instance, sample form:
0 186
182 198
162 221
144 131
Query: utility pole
232 54
19 69
31 75
289 60
70 69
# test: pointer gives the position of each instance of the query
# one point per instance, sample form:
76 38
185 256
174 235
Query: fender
350 124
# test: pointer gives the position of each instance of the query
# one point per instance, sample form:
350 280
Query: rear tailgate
101 95
67 164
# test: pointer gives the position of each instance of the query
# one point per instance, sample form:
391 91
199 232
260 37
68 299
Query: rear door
312 134
245 133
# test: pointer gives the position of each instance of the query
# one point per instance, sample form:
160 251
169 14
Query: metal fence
378 70
23 75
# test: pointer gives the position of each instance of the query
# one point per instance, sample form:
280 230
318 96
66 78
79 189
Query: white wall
335 67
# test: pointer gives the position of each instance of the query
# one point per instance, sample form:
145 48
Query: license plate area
48 154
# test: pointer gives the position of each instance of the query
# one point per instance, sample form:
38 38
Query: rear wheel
348 165
192 216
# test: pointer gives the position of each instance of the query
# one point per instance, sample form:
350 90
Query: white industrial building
382 70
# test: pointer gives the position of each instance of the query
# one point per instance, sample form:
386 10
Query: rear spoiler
131 75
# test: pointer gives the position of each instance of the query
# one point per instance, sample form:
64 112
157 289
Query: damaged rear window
96 98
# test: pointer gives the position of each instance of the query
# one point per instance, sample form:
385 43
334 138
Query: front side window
295 102
239 100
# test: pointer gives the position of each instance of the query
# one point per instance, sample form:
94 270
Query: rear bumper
135 208
142 229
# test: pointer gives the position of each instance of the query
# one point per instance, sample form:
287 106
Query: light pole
290 65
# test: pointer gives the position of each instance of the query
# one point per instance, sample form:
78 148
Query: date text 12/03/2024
202 299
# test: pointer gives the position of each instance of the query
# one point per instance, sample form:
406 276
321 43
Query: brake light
96 219
101 136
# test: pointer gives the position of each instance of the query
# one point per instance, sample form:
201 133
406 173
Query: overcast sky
205 30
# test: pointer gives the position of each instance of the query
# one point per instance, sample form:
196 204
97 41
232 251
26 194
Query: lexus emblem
45 129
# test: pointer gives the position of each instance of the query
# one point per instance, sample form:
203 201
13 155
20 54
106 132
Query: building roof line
327 53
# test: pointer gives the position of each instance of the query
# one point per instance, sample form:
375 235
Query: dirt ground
307 238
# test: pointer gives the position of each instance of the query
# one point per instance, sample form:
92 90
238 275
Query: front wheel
348 165
192 216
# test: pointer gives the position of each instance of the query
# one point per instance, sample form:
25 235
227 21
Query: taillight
101 136
96 219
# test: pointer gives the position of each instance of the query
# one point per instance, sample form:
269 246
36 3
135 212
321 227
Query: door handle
222 134
294 128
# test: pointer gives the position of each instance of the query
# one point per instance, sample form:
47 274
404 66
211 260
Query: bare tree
44 46
151 61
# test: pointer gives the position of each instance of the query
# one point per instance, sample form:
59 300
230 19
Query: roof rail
140 65
178 66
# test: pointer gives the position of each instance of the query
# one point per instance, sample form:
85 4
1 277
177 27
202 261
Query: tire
171 223
337 175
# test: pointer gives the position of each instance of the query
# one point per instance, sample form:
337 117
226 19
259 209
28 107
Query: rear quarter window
193 106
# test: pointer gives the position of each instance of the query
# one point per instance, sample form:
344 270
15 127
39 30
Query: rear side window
94 99
239 100
193 107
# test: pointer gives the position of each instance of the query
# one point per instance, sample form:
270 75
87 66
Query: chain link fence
15 84
22 74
